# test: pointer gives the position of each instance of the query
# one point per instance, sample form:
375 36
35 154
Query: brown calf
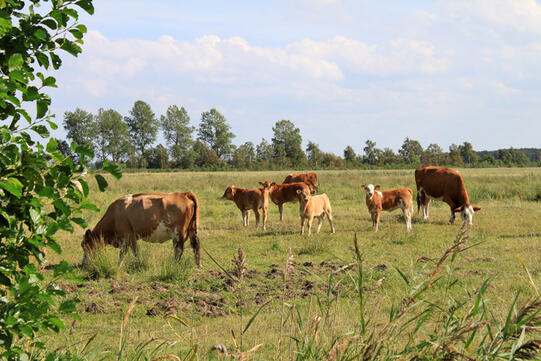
250 199
309 178
283 193
153 217
378 201
314 206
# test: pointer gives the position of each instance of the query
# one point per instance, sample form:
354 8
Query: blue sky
343 71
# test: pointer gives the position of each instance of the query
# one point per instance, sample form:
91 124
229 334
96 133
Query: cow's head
370 189
312 187
267 185
90 242
230 192
304 195
466 212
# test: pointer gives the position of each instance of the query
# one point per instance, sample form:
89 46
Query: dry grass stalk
240 264
529 350
289 268
243 356
460 240
462 333
128 312
338 349
168 356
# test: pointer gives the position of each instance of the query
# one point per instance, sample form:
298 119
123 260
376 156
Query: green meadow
303 297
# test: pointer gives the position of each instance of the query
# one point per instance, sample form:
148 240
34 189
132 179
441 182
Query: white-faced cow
443 184
309 178
314 206
389 200
250 199
152 217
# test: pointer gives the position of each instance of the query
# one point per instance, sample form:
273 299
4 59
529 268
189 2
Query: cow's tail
194 226
418 201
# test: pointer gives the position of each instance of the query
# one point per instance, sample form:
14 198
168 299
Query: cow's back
438 181
281 193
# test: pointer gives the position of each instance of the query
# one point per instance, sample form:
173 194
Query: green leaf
87 205
113 169
13 186
84 150
402 275
86 5
50 23
15 61
42 106
62 268
62 206
81 222
71 47
55 59
51 145
39 34
35 216
43 60
47 192
85 186
49 81
102 183
67 306
41 130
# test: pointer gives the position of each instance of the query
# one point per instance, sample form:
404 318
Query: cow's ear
273 184
377 186
476 209
459 209
363 186
260 183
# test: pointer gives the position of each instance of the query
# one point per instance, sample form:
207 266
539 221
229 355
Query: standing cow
314 206
153 217
443 184
309 178
250 199
378 201
284 193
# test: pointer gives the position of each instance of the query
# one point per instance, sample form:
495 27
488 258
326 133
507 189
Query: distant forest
131 142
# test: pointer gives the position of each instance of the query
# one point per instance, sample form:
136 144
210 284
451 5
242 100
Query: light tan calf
314 206
378 201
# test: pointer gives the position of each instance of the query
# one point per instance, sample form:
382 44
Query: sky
343 71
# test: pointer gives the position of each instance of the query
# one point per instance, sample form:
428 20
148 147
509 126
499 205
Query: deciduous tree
178 135
216 134
143 127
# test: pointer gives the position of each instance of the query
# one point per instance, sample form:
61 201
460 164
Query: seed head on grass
240 264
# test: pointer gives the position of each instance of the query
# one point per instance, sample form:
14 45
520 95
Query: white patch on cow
161 234
128 197
380 194
467 215
370 191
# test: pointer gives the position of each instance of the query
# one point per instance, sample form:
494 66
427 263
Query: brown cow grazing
309 178
283 193
314 206
378 201
153 217
250 199
446 185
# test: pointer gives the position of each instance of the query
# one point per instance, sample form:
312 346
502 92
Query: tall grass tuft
102 264
171 270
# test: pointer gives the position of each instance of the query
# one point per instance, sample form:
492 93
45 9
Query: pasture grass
304 291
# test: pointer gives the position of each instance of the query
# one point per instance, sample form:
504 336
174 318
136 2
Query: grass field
312 310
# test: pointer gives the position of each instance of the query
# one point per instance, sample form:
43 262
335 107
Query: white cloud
523 15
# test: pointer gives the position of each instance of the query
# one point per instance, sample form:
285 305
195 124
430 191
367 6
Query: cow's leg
452 219
310 220
244 218
302 225
194 240
178 243
134 249
320 221
329 217
281 210
125 243
407 215
256 211
265 218
426 204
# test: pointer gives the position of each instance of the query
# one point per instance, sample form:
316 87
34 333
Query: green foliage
81 127
215 133
143 127
37 197
286 143
157 157
178 135
244 156
113 138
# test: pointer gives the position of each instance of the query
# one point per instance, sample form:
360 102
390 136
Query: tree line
131 141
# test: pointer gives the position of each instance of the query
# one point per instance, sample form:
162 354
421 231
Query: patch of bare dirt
209 304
